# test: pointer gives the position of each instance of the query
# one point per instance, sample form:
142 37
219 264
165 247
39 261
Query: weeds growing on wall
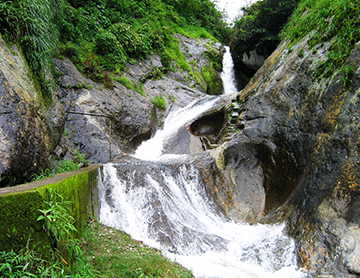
63 166
331 21
65 259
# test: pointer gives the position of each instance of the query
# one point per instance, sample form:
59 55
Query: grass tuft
331 21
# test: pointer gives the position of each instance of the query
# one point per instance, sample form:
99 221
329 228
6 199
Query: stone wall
19 206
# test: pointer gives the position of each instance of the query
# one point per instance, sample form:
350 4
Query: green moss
78 190
18 225
323 21
19 211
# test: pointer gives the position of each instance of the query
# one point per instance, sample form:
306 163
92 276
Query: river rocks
298 142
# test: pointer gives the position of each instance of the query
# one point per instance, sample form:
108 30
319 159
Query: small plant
65 166
301 53
346 76
159 101
42 175
58 222
26 263
172 97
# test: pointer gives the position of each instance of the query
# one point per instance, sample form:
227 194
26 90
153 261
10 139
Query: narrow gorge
257 182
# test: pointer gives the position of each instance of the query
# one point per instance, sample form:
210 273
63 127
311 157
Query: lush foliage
332 21
35 25
260 26
101 35
26 263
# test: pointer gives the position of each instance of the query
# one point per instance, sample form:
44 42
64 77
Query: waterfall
164 202
152 149
228 74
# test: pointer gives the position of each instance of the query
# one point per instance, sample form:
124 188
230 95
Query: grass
114 253
124 80
174 53
159 101
331 21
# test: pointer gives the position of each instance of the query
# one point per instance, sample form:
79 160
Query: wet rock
252 60
207 125
299 144
87 119
105 123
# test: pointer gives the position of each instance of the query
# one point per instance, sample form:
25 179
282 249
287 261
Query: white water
172 204
167 201
228 74
152 149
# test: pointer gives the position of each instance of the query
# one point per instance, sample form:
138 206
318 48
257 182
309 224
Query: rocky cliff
99 122
294 157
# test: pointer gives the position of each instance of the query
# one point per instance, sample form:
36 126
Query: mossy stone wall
19 206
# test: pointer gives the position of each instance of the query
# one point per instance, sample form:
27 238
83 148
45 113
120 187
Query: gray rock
296 158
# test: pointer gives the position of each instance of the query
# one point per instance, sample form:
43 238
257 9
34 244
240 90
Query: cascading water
228 74
163 201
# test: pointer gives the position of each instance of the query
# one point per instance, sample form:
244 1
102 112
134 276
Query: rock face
28 131
86 118
295 158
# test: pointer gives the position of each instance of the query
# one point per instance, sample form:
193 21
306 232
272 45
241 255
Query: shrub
159 101
258 29
128 38
106 43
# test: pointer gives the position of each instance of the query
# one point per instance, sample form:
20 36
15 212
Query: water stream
163 201
228 73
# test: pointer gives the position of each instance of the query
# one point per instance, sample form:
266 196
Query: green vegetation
19 211
130 85
336 22
62 166
64 257
114 254
100 249
101 35
260 26
35 25
159 101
